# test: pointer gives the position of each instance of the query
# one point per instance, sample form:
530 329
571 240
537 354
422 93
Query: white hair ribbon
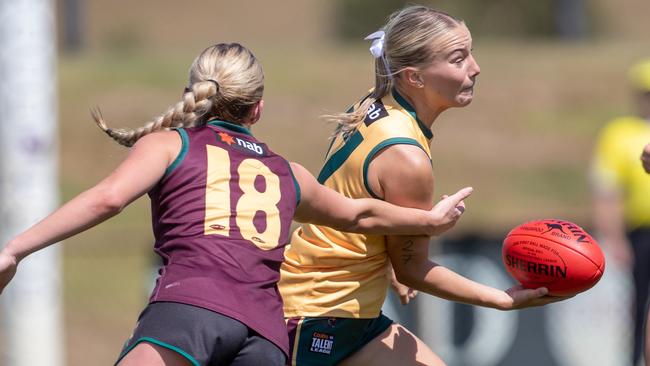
377 49
377 46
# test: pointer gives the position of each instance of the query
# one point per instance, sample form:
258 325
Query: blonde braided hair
225 82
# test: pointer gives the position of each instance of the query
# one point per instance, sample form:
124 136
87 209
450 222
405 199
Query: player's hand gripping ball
555 254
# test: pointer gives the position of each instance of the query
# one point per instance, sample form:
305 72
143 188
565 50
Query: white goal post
31 305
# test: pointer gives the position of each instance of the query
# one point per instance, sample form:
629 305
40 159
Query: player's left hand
521 298
449 209
645 158
404 292
8 266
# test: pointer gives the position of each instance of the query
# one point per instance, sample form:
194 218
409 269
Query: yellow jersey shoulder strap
389 121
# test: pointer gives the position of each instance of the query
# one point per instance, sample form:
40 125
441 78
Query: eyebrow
462 50
463 47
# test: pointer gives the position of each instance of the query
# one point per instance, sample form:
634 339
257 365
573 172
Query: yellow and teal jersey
617 166
336 274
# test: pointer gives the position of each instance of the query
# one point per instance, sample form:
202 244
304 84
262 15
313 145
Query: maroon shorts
202 336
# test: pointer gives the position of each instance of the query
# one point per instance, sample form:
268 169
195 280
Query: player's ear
256 112
412 77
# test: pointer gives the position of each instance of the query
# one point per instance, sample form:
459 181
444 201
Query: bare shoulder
305 179
402 174
159 137
409 159
163 142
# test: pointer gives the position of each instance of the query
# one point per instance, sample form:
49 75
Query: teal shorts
327 341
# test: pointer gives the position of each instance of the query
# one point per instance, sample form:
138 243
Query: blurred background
553 72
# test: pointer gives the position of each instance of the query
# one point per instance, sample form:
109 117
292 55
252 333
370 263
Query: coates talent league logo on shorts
321 343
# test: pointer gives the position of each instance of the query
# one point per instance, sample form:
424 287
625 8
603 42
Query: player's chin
465 97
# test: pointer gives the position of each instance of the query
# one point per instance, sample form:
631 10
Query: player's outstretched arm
410 259
405 179
323 206
144 166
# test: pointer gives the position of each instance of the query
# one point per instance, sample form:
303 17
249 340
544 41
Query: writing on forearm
407 251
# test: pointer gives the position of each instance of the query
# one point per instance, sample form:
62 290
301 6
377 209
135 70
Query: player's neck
426 112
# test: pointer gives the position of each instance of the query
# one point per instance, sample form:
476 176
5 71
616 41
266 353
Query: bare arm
413 268
323 206
410 183
144 166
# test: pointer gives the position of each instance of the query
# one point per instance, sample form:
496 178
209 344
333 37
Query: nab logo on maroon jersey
226 138
240 143
250 146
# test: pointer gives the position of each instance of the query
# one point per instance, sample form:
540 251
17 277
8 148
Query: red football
555 254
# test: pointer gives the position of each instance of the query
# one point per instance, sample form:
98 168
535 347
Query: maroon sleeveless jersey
221 218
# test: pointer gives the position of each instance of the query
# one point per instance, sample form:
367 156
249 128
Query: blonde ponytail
349 121
411 39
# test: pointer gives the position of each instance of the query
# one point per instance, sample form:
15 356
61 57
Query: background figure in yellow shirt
622 194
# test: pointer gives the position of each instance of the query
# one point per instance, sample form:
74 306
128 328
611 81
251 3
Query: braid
225 82
191 111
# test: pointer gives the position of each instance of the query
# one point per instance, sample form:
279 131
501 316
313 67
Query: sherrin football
555 254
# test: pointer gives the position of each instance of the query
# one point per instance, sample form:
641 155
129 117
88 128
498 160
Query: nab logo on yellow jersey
375 111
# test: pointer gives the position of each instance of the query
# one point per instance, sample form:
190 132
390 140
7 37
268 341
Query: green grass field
524 143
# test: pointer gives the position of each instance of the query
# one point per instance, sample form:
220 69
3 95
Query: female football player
334 283
222 204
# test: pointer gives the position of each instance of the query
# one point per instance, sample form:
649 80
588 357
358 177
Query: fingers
461 206
404 299
455 203
541 291
524 298
448 211
459 196
457 199
462 194
540 297
7 270
552 299
522 294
